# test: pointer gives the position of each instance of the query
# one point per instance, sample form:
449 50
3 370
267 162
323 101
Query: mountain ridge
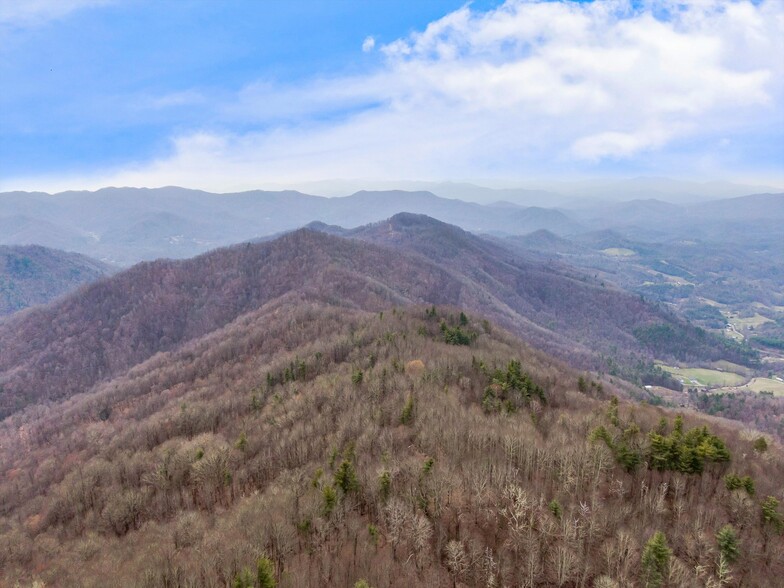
190 222
157 306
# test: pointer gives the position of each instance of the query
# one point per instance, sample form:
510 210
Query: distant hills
739 266
31 275
108 327
754 219
126 225
565 194
122 226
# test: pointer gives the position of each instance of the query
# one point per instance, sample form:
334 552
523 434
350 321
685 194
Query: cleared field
677 280
704 377
710 302
766 385
728 366
752 321
618 252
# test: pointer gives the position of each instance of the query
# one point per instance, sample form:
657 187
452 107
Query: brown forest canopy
110 326
325 446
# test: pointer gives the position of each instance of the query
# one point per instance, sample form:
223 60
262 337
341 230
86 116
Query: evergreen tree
243 580
728 543
771 515
346 477
265 573
655 561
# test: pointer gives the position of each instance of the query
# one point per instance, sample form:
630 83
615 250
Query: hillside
36 275
62 349
317 446
571 313
58 350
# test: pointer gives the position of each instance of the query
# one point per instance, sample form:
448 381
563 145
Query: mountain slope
552 305
112 325
36 275
319 446
752 207
66 348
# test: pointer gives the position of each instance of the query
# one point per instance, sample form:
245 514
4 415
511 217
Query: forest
104 329
308 445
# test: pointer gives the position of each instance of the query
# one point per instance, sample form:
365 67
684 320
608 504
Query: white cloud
171 100
529 87
368 44
24 13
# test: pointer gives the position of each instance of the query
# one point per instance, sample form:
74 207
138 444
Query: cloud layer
26 13
528 88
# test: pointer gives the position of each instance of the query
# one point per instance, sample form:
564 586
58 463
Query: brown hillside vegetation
305 445
63 349
551 304
53 352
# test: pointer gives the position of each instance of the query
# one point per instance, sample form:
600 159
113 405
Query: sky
243 94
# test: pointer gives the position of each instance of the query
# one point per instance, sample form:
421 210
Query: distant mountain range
31 275
567 194
125 225
110 326
753 219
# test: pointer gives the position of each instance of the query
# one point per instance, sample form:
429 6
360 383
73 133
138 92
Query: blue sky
240 94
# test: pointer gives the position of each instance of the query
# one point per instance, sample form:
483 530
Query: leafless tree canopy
281 436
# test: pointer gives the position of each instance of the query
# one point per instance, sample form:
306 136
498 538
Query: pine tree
265 573
728 543
655 561
243 580
345 477
771 515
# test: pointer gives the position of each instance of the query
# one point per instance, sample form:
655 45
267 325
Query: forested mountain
557 298
35 275
306 445
105 329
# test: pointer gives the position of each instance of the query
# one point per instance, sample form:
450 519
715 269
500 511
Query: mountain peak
410 219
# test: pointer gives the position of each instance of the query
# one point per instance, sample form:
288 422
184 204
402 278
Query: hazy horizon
555 193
